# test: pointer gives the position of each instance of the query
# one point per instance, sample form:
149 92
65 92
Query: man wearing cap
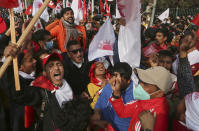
46 95
149 95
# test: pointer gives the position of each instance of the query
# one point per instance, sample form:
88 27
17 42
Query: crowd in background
62 91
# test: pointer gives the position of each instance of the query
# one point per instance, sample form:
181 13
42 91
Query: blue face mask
140 94
49 45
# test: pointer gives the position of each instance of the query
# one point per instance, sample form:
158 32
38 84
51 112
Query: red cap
45 60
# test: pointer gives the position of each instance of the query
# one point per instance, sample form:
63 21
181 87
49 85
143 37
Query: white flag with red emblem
102 44
19 9
77 7
57 9
68 4
129 39
164 15
36 5
38 25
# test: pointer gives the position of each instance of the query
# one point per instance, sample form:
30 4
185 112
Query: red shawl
41 82
93 79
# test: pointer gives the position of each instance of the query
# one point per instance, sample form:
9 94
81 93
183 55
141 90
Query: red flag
107 8
101 7
84 10
196 20
28 11
9 3
51 4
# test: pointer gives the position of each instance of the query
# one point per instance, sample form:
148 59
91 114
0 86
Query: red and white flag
57 9
129 39
117 16
9 3
68 4
38 25
107 8
19 9
28 11
51 4
102 44
77 7
36 5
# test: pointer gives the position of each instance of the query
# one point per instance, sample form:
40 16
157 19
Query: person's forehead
54 62
76 46
69 11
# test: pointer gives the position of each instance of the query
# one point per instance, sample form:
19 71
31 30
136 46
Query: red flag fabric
51 4
84 10
2 25
107 8
196 20
28 11
9 3
101 7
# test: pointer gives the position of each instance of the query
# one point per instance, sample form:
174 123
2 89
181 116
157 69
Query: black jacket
77 78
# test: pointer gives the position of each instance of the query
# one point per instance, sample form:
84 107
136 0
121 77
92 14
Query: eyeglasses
76 51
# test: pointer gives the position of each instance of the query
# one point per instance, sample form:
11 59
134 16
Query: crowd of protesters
61 90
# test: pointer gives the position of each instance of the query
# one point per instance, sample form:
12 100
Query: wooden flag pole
13 40
24 35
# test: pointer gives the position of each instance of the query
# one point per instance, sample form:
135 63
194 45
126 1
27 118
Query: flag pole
153 12
24 35
13 40
93 7
64 4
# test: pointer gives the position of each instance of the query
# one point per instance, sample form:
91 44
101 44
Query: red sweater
134 108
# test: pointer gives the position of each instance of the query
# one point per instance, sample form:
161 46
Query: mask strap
154 92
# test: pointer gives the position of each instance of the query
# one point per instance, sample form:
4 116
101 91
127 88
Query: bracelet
116 97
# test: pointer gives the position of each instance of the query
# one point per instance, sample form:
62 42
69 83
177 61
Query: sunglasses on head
76 51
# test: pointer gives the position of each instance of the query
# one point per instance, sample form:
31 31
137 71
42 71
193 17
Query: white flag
164 15
19 9
36 5
78 10
117 12
38 25
57 9
102 44
129 39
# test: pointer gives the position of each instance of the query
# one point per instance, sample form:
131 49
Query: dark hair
186 33
64 10
165 53
39 35
150 32
76 115
72 42
164 31
39 67
52 58
124 69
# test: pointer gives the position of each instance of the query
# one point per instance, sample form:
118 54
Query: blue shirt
108 113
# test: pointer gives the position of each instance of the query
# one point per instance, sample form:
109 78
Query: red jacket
134 108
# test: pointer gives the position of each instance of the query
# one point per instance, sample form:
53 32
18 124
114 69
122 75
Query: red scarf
41 82
93 79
